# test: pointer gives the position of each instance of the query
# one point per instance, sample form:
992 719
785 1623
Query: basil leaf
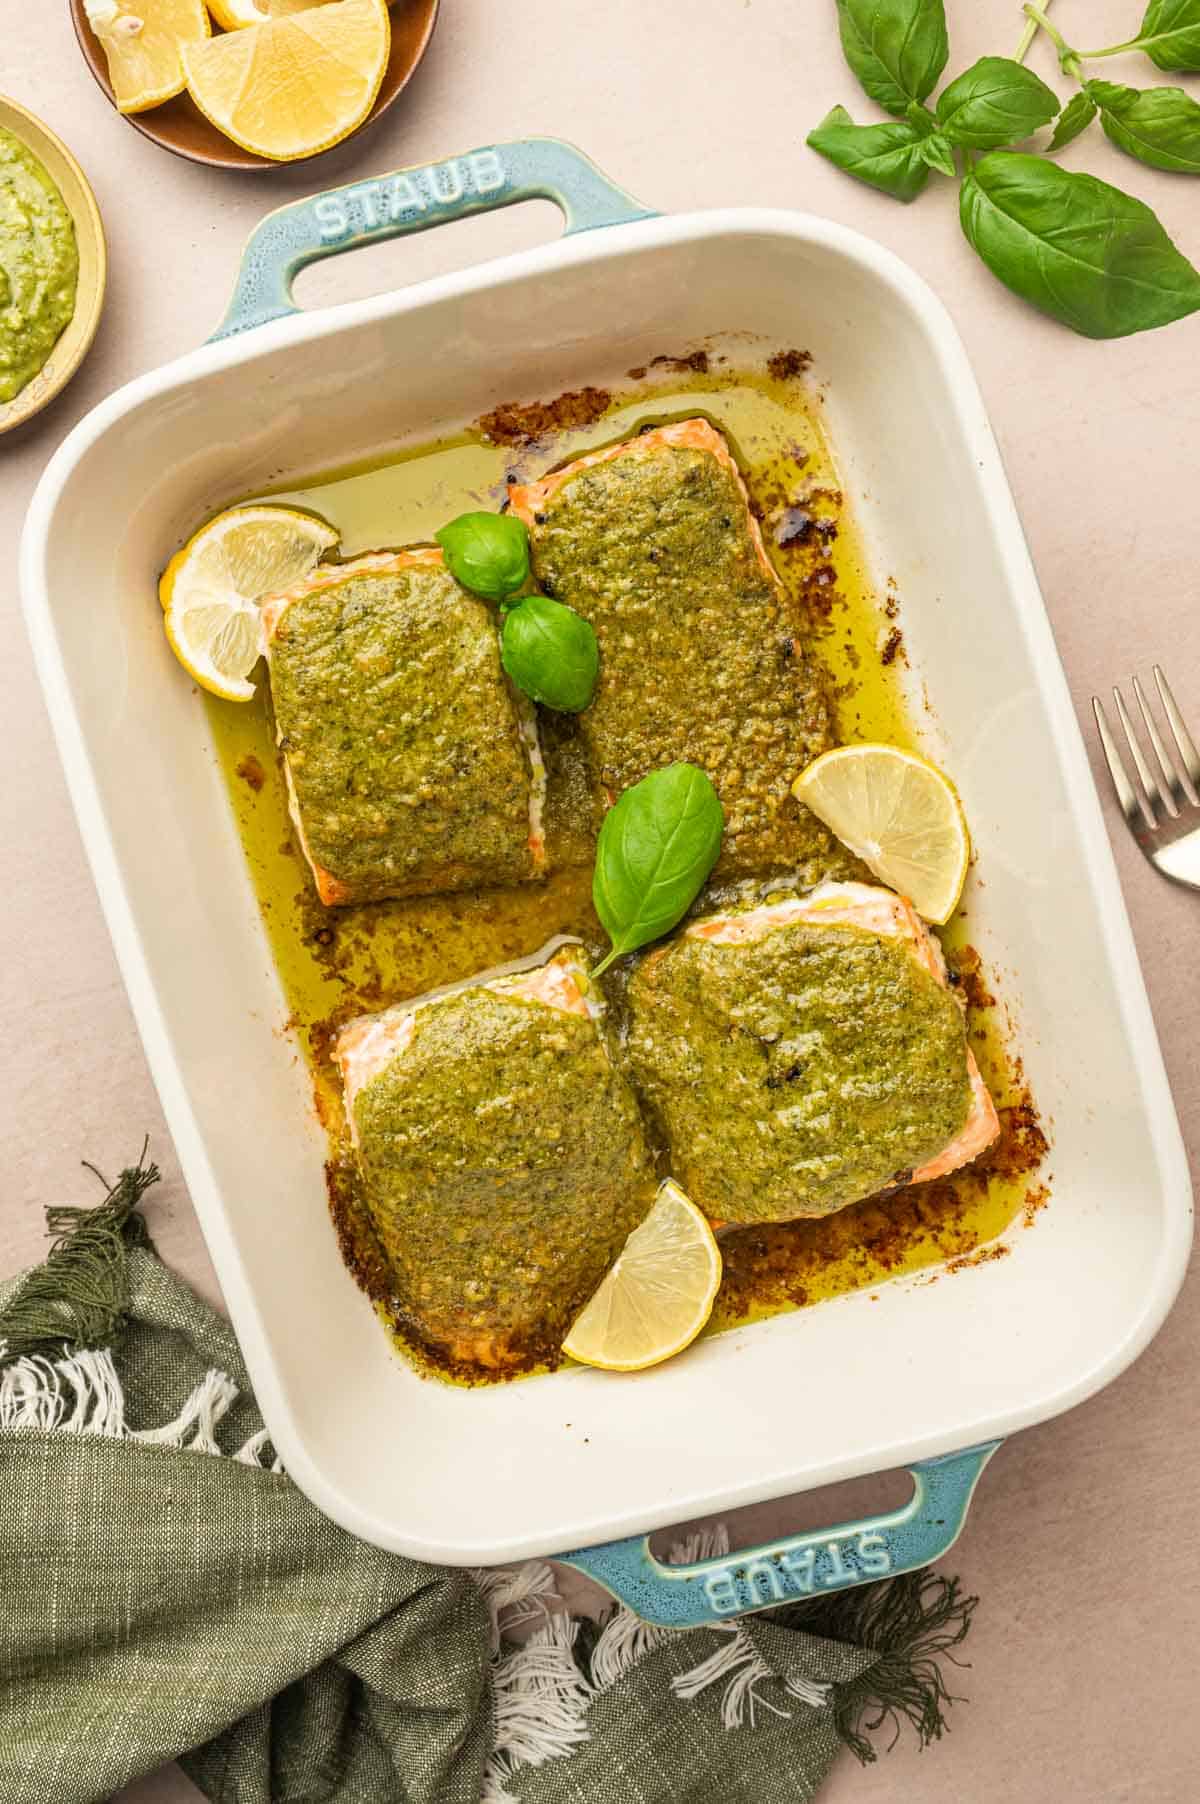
897 48
1075 117
1079 249
487 553
885 156
996 101
657 845
551 653
937 153
1170 34
919 115
1159 126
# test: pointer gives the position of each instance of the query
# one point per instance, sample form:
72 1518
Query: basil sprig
657 845
1081 250
551 653
487 553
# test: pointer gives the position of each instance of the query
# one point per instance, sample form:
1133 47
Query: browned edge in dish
180 127
75 340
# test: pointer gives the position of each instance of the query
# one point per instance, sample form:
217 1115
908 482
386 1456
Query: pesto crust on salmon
412 764
502 1158
653 542
804 1055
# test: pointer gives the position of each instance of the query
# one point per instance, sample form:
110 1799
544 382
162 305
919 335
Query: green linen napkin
167 1592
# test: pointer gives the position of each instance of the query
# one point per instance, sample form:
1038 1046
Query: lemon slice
233 15
143 41
658 1295
900 815
292 86
211 590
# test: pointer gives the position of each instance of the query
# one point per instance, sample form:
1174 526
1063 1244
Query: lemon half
657 1296
294 85
143 42
900 815
211 590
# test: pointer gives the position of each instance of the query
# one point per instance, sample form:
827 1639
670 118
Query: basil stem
1069 58
656 847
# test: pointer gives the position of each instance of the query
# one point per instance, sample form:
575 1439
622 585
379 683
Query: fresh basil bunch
657 845
1078 248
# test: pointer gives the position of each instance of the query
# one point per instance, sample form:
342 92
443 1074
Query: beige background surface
1082 1541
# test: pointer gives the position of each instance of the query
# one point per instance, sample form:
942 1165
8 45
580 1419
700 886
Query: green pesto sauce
701 656
504 1167
798 1072
39 266
402 735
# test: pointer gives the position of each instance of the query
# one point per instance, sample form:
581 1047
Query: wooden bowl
180 126
76 338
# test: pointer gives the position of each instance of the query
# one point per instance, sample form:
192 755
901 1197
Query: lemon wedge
657 1296
234 15
900 815
294 85
211 590
143 41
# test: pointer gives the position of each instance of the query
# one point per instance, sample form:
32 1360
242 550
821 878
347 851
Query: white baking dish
852 1386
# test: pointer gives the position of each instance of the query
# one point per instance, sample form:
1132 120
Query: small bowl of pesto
53 264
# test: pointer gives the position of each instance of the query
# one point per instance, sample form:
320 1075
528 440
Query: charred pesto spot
797 1072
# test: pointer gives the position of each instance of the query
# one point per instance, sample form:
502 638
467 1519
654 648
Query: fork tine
1152 799
1174 796
1132 805
1183 739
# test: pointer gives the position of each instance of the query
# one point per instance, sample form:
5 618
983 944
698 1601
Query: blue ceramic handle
413 200
803 1566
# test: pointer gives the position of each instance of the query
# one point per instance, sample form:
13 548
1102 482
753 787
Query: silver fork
1163 814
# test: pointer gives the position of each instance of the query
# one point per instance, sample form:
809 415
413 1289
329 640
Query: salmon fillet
502 1158
411 763
805 1054
878 911
702 654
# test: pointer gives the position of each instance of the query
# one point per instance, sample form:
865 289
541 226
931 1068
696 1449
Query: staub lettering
824 1566
411 194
